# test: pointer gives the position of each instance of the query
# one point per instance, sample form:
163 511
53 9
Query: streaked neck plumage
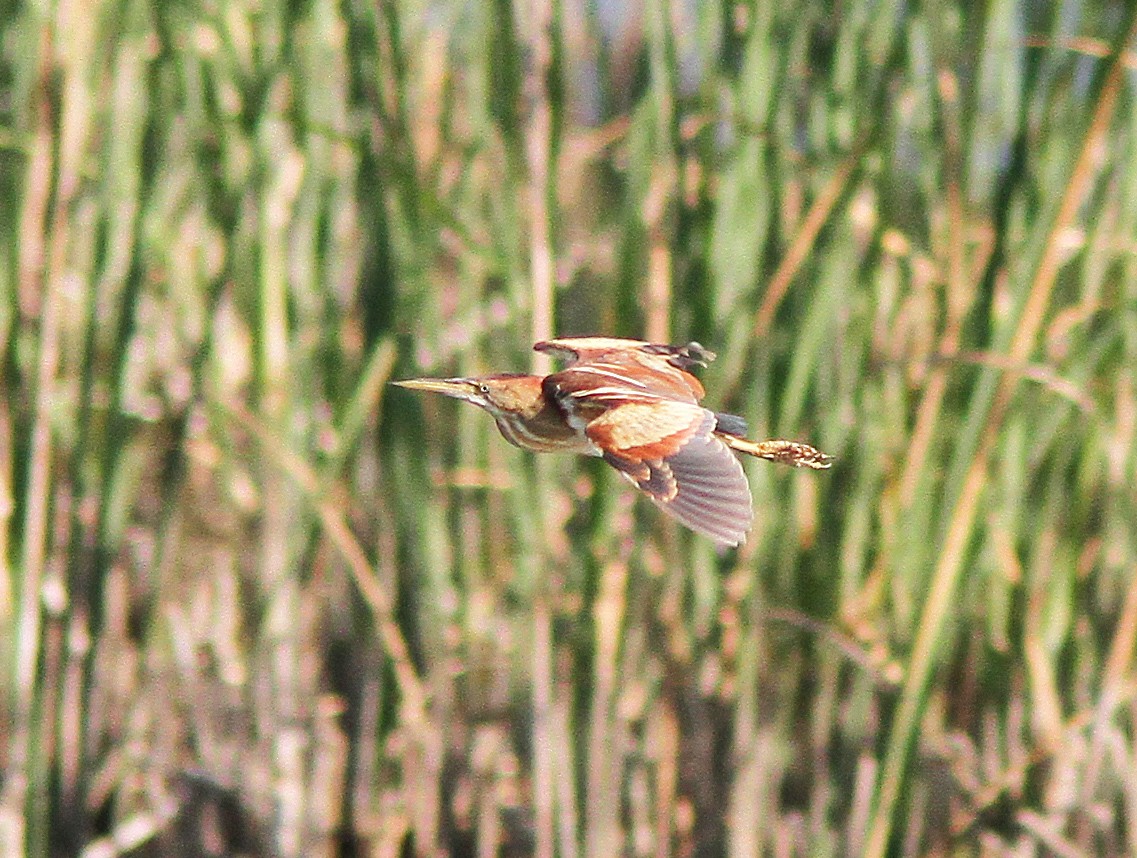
528 419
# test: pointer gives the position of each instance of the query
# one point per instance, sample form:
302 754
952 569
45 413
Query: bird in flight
636 404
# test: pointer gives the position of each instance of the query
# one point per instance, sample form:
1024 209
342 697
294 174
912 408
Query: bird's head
507 393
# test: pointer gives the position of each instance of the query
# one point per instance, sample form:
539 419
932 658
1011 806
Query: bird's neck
541 426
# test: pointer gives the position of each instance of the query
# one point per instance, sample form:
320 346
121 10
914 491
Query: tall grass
253 601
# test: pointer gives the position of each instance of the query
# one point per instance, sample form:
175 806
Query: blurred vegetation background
255 602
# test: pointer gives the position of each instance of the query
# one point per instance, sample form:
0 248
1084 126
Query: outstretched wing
609 376
576 349
584 349
673 456
639 406
669 451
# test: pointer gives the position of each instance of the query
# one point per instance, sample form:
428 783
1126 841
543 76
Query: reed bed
254 601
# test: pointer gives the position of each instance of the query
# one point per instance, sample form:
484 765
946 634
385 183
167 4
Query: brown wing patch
648 430
626 376
701 484
608 361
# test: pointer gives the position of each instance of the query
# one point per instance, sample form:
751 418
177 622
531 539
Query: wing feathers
639 405
713 496
641 430
612 369
702 485
579 349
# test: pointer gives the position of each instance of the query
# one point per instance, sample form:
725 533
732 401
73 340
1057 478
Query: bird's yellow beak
459 388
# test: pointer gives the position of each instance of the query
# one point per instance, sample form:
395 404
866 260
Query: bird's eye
484 389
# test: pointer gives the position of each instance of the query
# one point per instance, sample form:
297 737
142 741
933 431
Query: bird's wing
672 455
612 376
712 496
669 451
640 409
576 349
582 349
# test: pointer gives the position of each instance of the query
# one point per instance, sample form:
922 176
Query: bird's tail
777 450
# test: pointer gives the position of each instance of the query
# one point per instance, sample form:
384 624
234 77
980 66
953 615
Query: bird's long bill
460 388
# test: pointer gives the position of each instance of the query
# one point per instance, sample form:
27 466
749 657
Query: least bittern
637 405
